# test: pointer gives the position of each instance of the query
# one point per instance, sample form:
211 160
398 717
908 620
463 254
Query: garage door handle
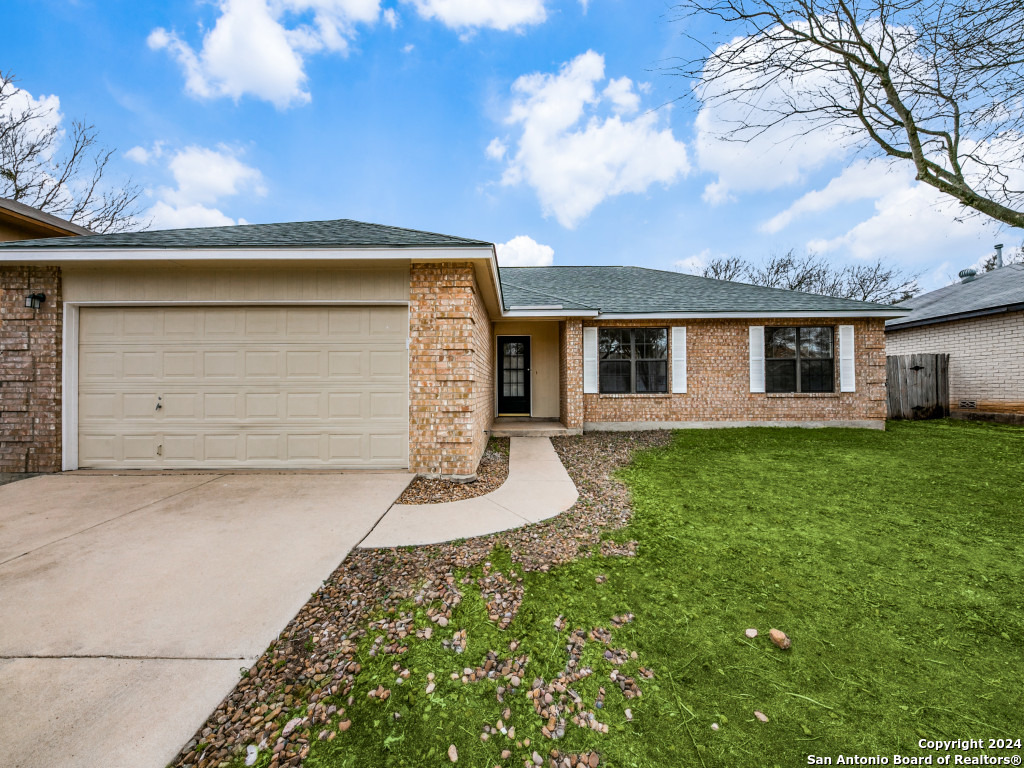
159 405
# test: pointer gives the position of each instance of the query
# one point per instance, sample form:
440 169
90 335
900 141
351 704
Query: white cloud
620 93
206 175
694 265
496 149
572 153
861 180
475 14
203 178
390 16
144 156
19 101
164 216
408 48
524 251
585 4
912 224
778 156
250 50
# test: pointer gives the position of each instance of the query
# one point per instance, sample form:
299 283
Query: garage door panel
254 386
99 366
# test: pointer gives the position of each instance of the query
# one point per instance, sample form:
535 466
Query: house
979 323
23 222
340 344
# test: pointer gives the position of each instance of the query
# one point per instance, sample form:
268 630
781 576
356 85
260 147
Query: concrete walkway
537 488
128 604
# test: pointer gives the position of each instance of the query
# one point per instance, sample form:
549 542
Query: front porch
520 426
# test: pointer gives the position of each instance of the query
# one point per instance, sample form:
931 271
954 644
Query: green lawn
892 559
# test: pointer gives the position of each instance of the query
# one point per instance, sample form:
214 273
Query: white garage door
163 387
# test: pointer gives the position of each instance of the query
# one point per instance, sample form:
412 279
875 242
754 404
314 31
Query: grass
891 558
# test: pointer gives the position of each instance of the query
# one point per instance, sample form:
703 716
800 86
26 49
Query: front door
514 384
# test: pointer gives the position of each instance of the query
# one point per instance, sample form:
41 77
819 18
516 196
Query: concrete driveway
128 604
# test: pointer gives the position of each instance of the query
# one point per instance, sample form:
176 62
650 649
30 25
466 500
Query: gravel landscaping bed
298 691
492 472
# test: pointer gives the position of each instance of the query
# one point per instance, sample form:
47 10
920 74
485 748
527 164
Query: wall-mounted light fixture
35 300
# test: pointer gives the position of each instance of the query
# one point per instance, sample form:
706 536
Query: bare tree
936 83
726 268
810 273
60 174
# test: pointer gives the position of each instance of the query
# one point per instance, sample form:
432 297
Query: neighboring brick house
979 323
346 345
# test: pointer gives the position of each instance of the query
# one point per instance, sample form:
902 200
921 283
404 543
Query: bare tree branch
939 83
810 273
58 174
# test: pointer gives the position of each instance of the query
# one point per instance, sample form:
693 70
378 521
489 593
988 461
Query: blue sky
550 125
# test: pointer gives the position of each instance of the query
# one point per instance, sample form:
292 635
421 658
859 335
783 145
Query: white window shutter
679 359
757 358
590 361
846 359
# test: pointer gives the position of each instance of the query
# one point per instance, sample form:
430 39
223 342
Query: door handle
159 405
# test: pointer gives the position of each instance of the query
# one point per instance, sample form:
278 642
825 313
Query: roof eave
1004 309
753 314
46 255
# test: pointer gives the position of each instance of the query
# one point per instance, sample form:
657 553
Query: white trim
498 371
679 359
749 315
547 314
591 372
240 303
69 357
153 255
847 360
69 389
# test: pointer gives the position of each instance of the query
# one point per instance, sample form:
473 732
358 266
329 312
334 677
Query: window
799 359
633 360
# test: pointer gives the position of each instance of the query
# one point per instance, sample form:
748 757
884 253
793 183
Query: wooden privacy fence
917 386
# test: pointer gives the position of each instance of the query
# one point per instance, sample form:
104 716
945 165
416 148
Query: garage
163 387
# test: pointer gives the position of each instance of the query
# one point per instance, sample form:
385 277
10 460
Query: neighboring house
979 323
349 345
23 222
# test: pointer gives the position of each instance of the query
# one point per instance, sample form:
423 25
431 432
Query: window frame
633 360
797 359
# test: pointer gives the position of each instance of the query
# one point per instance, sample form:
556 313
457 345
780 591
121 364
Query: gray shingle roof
637 290
988 292
338 233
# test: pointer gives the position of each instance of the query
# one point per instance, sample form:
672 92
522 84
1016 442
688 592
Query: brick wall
450 370
483 376
30 370
718 380
570 374
986 358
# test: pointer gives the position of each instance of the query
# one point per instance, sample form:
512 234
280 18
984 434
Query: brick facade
570 373
986 358
30 370
718 380
451 368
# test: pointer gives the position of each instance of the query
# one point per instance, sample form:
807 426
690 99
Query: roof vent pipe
999 256
966 275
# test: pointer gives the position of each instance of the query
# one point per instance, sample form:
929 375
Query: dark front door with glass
514 382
